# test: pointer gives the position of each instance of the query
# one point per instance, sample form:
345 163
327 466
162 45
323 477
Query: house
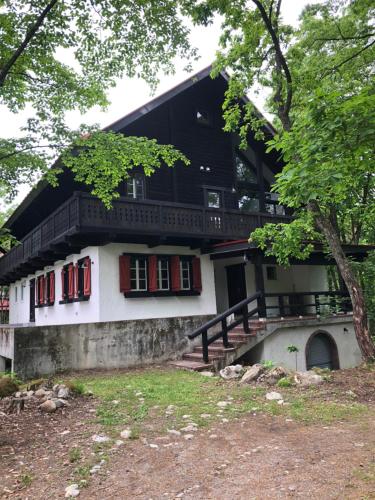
96 288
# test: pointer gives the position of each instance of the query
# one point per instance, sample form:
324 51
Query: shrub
8 385
268 364
76 387
284 382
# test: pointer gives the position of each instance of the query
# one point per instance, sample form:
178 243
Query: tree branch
29 148
353 56
31 32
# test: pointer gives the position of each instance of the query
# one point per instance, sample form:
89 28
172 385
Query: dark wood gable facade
221 196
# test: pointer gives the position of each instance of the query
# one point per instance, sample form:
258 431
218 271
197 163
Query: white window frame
160 269
137 269
185 262
132 183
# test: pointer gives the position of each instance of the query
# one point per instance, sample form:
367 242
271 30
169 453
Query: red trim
87 277
228 243
124 264
197 276
70 281
63 292
152 273
52 287
175 273
76 280
41 290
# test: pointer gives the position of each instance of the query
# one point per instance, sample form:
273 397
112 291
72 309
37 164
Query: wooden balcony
83 220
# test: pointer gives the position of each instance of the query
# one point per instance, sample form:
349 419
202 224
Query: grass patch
74 455
154 400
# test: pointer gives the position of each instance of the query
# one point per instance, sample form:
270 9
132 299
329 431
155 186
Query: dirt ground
256 456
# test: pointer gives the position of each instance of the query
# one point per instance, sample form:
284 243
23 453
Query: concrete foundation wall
121 344
274 347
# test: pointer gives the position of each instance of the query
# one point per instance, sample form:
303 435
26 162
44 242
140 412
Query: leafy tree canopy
105 40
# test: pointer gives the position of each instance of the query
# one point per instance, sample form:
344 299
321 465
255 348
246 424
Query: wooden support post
224 328
259 285
205 346
281 306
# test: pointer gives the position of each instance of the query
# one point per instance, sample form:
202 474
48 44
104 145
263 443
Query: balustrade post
224 327
245 319
317 304
205 346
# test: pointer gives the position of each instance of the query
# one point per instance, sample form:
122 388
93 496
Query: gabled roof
129 119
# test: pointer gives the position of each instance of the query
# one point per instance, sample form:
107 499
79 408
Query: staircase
230 343
218 355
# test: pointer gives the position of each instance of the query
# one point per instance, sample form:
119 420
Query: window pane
163 274
185 274
244 170
249 203
213 199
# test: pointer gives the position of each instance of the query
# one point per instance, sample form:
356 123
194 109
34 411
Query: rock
205 415
308 378
206 373
72 491
100 438
40 393
252 374
18 394
188 436
62 392
230 372
126 434
273 396
275 375
118 442
154 446
212 436
174 432
48 406
190 428
60 403
223 404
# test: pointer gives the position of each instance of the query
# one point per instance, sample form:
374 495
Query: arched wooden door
321 352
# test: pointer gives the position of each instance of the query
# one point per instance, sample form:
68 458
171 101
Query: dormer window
135 187
203 117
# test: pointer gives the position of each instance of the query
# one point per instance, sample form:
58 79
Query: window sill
40 306
166 293
70 301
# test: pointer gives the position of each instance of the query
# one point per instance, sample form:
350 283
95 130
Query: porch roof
242 248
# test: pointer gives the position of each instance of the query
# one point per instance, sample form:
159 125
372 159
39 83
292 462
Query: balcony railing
83 213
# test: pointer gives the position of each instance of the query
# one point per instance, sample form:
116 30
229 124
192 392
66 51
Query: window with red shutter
87 277
51 295
152 273
197 276
175 273
124 263
70 281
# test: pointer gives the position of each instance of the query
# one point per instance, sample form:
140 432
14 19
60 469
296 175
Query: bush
284 382
268 364
8 385
76 387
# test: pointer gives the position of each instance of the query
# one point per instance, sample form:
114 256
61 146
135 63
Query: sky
129 94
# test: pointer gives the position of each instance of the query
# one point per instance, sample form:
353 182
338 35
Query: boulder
72 491
252 374
308 378
40 393
274 375
126 434
231 371
48 406
62 392
274 396
60 403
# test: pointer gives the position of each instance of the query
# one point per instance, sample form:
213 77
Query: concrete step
195 366
215 348
241 336
197 356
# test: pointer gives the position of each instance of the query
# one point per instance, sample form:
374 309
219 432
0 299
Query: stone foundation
46 350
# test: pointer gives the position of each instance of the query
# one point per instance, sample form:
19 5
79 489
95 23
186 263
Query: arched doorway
321 351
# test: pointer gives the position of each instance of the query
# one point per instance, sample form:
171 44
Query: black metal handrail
261 309
245 314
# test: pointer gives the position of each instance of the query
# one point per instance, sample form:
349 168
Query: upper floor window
135 187
138 273
163 273
245 172
203 117
213 199
249 202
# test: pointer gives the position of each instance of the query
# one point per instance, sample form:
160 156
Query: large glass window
213 199
163 273
245 172
185 279
249 202
138 274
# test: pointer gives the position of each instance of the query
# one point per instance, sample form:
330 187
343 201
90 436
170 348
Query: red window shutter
197 276
76 281
87 277
70 281
52 287
41 290
63 291
124 262
175 273
152 273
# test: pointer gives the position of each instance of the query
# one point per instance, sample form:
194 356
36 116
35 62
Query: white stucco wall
106 303
301 278
114 306
274 347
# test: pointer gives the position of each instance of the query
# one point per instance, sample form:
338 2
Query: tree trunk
360 321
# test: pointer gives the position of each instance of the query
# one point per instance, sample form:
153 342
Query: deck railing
85 213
